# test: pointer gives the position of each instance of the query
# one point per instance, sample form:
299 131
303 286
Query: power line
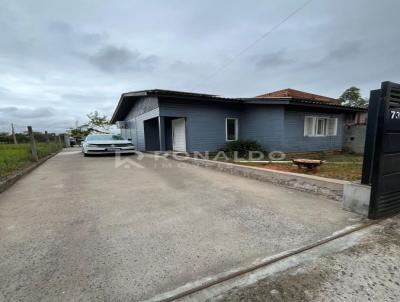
263 36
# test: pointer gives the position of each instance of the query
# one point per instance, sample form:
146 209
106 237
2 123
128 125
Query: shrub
242 147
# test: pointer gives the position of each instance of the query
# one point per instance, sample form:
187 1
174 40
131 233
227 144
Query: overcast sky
62 59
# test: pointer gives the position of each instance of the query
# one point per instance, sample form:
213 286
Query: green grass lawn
342 166
16 157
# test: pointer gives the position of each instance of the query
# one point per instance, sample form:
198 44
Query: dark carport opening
151 134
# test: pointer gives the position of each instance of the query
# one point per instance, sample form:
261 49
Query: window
320 126
331 126
309 126
231 129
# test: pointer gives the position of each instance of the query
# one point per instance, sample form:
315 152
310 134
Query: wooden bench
309 164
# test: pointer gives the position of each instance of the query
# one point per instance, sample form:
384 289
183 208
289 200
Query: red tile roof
301 95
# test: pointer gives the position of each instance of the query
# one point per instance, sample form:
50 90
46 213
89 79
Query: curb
6 184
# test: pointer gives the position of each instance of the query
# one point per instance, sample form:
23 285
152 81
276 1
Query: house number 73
395 115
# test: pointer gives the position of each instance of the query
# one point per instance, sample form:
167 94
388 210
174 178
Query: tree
78 132
5 137
352 97
97 124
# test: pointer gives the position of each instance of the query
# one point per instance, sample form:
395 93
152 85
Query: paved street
79 229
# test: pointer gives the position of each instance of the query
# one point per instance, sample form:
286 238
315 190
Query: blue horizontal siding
205 122
295 141
263 124
137 124
143 109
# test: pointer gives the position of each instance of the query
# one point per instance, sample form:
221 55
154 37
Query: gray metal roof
127 100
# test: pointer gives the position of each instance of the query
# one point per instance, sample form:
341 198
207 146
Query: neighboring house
357 118
300 95
181 121
355 132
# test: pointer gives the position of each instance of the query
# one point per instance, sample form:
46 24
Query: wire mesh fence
20 132
19 150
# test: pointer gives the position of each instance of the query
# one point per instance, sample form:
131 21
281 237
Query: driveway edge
327 187
206 283
9 181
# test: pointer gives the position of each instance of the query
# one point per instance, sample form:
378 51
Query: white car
106 144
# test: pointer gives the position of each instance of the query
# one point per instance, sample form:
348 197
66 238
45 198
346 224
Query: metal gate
381 167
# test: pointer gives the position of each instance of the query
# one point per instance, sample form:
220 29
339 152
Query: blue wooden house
287 121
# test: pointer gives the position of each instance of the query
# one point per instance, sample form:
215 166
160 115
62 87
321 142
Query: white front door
179 135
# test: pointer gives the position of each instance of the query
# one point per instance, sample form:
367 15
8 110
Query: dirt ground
351 172
338 165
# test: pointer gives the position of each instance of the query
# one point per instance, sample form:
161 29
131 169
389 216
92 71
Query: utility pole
13 134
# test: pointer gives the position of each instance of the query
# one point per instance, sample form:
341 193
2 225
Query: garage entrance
151 134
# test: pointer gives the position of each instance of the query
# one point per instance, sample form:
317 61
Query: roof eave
114 119
267 101
327 106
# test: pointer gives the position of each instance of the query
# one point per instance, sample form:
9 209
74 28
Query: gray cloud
273 60
120 59
69 33
337 54
40 118
181 66
88 97
15 112
75 57
347 50
3 91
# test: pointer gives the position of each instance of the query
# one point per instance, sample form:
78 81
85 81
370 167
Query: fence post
59 141
13 134
46 137
33 144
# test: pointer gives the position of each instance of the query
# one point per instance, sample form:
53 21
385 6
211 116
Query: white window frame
236 129
324 121
335 123
314 126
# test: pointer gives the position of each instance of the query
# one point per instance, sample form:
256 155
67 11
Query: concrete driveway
81 229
